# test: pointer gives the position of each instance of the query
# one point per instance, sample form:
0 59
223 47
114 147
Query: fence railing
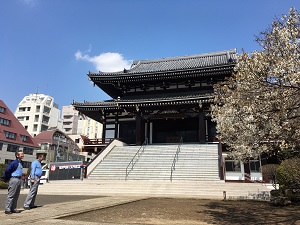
97 141
175 158
135 158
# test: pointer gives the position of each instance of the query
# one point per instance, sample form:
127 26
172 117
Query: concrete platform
49 214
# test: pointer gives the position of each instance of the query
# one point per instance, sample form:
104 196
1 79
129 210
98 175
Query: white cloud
105 62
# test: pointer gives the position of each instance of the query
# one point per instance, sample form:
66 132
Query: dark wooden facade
162 100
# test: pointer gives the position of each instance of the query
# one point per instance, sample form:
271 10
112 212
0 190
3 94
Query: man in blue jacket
35 175
13 173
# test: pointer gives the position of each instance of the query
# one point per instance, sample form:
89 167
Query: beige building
70 118
76 124
58 147
80 129
90 128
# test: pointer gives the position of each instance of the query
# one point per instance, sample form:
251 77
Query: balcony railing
97 141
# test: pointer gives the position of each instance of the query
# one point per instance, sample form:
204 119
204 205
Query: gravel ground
158 211
193 211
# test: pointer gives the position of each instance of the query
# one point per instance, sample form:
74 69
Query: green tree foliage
3 185
257 109
288 173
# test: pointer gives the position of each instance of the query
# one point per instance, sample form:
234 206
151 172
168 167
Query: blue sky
48 46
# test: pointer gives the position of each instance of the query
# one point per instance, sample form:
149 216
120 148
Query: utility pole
56 157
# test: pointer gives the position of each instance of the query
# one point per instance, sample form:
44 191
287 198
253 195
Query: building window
232 165
254 165
48 102
44 146
10 135
22 109
35 126
28 151
12 148
46 110
23 137
1 146
38 108
21 118
36 118
2 110
44 128
4 121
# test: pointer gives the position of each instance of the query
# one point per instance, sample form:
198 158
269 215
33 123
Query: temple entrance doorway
171 130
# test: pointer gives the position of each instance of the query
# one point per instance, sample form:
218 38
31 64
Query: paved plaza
112 208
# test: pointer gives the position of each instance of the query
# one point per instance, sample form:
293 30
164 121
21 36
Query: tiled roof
141 100
177 63
45 136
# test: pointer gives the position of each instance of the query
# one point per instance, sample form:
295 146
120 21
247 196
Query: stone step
195 188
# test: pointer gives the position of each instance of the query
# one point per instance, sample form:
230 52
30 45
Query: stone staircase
195 162
195 176
113 167
154 164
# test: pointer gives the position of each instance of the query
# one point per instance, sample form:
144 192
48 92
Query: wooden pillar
117 126
147 129
202 127
103 131
139 131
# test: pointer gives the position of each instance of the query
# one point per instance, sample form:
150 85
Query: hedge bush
3 185
288 173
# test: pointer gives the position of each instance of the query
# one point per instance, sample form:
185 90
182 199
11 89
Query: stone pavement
112 193
49 214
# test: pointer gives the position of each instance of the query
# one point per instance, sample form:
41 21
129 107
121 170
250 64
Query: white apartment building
38 113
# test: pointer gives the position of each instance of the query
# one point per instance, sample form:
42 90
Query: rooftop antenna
37 91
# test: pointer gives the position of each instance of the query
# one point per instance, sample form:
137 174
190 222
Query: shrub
3 185
2 168
269 173
288 173
275 193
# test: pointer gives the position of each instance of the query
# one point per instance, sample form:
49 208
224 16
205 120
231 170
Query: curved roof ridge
219 58
184 57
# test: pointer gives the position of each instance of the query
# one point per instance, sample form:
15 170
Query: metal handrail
176 157
137 154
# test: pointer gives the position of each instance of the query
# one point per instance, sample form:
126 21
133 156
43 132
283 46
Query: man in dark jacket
13 173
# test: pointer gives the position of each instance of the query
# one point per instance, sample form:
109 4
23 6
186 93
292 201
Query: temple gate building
162 100
167 101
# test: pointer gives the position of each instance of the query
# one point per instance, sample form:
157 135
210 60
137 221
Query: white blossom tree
257 109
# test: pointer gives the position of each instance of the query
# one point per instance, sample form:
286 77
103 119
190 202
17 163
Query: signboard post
66 170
